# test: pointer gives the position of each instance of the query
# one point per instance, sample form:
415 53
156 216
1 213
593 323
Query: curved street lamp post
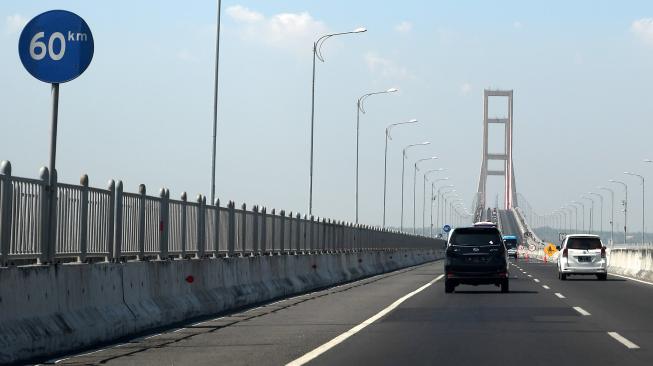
403 177
360 107
425 176
575 216
446 196
641 177
317 55
611 212
601 206
591 228
432 199
416 168
582 205
442 190
385 161
625 204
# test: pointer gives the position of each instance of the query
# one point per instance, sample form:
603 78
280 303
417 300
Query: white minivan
582 254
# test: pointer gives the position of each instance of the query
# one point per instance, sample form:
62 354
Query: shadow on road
571 279
495 292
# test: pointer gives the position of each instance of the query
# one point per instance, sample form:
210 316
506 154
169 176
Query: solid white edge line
621 339
560 295
341 338
632 279
308 294
81 355
546 287
582 311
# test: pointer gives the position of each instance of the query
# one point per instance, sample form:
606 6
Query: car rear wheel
602 276
449 286
505 286
562 276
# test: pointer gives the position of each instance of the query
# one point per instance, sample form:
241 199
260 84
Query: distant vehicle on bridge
486 224
582 254
476 256
512 243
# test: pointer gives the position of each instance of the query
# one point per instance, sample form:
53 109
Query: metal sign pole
52 184
53 132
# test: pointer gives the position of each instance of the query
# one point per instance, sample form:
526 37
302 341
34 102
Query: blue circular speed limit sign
56 46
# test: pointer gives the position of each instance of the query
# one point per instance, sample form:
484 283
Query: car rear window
584 243
476 237
511 243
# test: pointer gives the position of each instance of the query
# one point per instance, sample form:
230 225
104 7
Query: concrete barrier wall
48 310
637 263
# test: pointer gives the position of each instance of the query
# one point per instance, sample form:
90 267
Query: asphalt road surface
405 318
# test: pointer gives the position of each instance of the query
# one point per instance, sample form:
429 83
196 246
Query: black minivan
476 256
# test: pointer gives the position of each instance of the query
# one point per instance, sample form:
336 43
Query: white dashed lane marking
582 311
621 339
561 296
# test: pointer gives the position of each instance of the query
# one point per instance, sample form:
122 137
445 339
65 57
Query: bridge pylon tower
508 172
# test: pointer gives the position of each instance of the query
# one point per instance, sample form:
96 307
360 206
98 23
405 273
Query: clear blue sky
582 73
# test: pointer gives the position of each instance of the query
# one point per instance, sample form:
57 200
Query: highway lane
474 325
620 304
273 334
529 326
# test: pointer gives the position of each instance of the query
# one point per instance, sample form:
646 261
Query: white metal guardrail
92 224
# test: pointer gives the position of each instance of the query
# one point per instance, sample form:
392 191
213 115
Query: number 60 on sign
56 46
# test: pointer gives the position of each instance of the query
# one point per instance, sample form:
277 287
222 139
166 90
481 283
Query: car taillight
565 253
602 252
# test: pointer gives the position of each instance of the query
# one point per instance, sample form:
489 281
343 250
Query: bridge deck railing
92 224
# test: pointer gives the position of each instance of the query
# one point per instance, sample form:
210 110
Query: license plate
476 259
584 259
